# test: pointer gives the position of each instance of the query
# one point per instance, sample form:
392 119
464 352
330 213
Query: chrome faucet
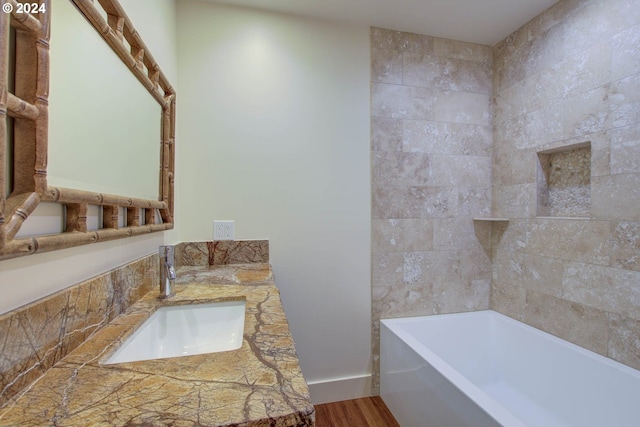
167 271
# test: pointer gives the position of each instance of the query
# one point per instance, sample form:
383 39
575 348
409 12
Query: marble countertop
260 384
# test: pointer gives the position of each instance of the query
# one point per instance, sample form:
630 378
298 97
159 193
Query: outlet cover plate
223 230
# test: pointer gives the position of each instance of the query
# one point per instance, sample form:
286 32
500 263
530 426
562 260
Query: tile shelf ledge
492 219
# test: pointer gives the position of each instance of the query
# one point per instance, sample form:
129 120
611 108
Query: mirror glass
104 126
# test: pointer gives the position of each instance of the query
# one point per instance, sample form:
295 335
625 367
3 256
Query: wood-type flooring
365 412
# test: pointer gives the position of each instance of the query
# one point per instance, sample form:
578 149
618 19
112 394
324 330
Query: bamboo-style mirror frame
27 105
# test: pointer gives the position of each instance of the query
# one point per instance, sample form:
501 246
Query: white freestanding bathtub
484 369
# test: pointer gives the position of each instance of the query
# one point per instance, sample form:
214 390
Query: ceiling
477 21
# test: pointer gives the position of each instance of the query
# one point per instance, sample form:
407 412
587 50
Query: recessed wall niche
564 181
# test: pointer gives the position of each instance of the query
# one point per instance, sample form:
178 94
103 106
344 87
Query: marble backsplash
36 336
221 252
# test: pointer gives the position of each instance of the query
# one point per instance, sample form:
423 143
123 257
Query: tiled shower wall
568 79
431 174
571 76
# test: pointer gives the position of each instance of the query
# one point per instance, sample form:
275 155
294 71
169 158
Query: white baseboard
338 389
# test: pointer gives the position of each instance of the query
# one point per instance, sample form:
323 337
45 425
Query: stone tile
474 202
509 134
454 297
506 47
531 130
624 101
417 43
463 107
135 280
600 153
445 74
386 134
573 322
571 240
580 72
520 98
509 64
420 136
403 301
625 149
589 23
514 201
616 197
544 50
414 202
475 264
382 38
625 48
420 103
538 273
387 269
514 167
19 366
424 70
238 252
431 267
529 57
552 84
508 299
625 245
399 169
402 235
587 113
403 102
624 340
554 15
455 233
192 253
460 171
543 126
386 65
462 50
612 289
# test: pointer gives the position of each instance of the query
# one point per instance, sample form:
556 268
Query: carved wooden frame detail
27 105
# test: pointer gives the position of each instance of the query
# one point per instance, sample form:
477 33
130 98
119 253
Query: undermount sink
184 330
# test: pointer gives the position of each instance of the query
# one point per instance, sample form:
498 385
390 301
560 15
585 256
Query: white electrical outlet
223 230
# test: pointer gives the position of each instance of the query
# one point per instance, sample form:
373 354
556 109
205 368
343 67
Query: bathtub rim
473 392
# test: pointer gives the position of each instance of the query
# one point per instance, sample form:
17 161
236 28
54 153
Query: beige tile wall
570 76
431 174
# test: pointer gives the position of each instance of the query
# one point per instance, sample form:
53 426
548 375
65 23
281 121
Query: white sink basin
184 330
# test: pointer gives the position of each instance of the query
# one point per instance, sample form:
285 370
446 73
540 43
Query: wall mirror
107 165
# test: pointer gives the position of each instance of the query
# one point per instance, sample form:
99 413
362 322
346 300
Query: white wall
27 279
273 127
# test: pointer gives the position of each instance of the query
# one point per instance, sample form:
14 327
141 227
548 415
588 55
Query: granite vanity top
260 384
